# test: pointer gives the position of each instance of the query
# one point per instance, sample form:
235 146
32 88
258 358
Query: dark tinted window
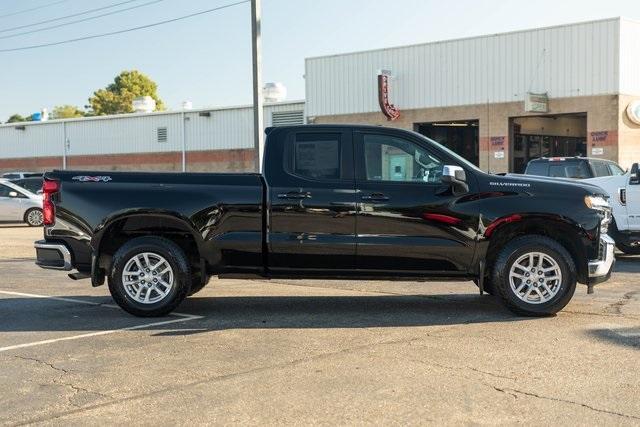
600 168
11 176
4 190
316 156
537 168
32 184
578 170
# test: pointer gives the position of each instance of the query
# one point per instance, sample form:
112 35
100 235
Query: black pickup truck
347 202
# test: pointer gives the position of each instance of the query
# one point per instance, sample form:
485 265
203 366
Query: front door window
394 159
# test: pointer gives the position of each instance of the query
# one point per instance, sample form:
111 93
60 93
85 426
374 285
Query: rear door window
315 156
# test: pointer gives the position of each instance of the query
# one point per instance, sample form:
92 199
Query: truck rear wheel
535 276
150 276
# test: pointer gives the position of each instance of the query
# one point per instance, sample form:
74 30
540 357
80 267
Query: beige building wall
629 134
494 121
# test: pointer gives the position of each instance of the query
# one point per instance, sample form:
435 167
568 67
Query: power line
19 12
141 27
60 18
79 20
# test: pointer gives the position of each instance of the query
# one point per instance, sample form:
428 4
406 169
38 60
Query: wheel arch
570 235
115 231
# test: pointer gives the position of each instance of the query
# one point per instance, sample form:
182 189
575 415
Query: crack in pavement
42 362
76 389
588 313
514 392
224 377
556 399
616 308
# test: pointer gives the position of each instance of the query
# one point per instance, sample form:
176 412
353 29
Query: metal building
213 140
499 99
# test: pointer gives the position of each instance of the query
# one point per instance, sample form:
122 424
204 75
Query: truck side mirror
456 177
634 175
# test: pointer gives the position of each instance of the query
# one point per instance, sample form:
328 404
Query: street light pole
256 50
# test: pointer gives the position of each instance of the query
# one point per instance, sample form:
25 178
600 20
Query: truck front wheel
534 275
628 249
150 276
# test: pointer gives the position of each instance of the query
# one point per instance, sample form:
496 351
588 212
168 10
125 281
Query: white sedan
19 204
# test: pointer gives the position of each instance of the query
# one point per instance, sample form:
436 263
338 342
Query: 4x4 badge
85 178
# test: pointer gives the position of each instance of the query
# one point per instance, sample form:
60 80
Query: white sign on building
536 103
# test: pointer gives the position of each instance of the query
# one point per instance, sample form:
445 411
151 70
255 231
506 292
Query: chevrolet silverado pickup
341 202
624 192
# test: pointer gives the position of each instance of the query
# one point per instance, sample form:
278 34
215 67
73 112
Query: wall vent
162 134
287 118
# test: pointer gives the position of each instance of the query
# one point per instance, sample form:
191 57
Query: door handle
295 195
375 197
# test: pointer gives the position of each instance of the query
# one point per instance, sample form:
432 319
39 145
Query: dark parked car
33 184
573 167
345 202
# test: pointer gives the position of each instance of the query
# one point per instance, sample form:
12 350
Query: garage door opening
547 136
458 136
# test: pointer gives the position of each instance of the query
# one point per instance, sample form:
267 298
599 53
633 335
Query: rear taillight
49 188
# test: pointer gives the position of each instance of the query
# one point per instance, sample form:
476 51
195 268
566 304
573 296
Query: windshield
453 154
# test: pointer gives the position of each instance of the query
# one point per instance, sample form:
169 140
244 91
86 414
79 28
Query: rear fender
147 222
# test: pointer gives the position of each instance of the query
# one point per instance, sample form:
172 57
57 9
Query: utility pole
256 50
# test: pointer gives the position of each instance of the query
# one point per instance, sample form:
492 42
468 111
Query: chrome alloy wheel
35 218
147 278
535 278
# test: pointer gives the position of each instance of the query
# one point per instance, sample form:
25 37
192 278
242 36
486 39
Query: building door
461 137
547 136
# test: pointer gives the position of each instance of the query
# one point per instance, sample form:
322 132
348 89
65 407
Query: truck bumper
52 255
600 269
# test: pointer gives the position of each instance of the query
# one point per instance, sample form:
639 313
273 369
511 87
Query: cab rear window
538 168
569 170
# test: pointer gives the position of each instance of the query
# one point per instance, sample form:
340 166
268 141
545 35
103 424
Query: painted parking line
182 318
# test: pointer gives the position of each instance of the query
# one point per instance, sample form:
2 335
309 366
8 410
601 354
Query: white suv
18 204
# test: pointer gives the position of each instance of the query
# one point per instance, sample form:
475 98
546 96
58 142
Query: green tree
117 98
66 112
17 118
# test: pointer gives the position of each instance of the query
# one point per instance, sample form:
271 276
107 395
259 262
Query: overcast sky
207 59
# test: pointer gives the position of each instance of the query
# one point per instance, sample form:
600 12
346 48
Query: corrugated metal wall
565 61
221 129
629 57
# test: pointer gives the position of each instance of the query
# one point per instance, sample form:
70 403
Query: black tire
629 250
33 217
175 257
549 247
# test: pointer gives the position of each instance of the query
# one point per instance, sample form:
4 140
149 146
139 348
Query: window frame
345 156
360 160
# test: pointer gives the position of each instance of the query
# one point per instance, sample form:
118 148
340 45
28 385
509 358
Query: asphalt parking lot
312 352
